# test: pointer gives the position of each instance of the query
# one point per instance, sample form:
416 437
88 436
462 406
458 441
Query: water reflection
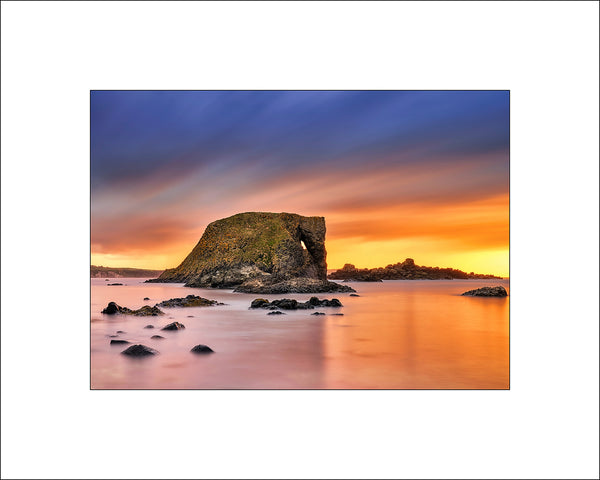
397 334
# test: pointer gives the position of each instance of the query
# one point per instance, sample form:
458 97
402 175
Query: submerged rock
189 301
354 295
145 311
202 349
292 304
498 291
118 342
318 313
259 252
174 326
157 337
276 312
139 351
121 331
114 284
149 326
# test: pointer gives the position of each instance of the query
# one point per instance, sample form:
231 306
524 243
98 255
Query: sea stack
259 252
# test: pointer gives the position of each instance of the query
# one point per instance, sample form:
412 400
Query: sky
396 174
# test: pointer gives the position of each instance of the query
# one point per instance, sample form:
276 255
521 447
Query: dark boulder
149 326
334 302
318 313
288 304
259 303
202 349
118 342
276 312
114 284
498 291
146 298
121 331
174 326
111 308
157 337
139 351
354 295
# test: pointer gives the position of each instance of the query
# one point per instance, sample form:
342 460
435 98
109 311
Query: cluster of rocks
498 291
139 350
189 301
406 270
145 311
291 304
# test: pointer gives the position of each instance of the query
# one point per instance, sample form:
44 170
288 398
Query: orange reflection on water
419 335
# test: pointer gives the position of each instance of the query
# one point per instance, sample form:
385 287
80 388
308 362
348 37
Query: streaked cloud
380 166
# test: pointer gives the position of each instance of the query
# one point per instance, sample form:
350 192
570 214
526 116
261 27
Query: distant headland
407 270
116 272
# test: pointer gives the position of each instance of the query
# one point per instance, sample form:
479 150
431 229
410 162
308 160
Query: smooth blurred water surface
398 334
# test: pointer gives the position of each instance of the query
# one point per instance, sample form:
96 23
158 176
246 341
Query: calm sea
398 334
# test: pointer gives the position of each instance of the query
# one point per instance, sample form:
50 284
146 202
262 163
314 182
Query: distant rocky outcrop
115 272
145 311
259 252
292 304
498 291
407 270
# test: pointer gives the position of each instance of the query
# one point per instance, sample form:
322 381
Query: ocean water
400 334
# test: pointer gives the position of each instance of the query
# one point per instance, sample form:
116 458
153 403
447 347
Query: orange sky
471 234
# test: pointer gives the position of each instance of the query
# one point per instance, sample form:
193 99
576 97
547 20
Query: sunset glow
395 174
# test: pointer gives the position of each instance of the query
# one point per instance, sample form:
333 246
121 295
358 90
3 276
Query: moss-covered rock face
259 248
